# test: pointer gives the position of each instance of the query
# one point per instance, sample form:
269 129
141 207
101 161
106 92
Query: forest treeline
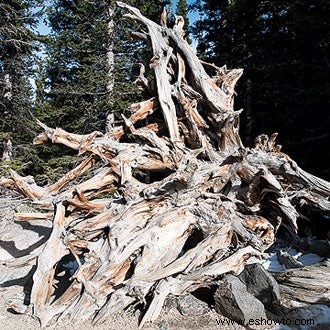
82 73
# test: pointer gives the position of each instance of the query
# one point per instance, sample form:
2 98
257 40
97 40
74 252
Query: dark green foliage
71 80
284 48
16 47
18 43
76 69
207 29
77 72
150 8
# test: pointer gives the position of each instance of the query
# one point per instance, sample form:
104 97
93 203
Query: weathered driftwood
166 209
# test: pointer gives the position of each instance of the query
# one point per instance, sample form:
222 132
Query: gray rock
260 283
164 326
288 261
234 301
171 302
188 305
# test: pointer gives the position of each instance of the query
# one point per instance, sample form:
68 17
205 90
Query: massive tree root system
161 207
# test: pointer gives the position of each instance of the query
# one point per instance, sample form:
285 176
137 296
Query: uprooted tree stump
168 207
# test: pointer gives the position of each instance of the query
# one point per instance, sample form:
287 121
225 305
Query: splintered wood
172 199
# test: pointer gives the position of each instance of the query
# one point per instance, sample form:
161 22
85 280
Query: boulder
234 301
188 305
261 284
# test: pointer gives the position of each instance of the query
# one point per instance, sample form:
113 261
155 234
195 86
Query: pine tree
282 47
207 29
77 67
90 64
17 46
83 55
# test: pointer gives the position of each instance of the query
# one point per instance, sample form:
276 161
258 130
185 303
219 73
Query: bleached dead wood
130 228
7 153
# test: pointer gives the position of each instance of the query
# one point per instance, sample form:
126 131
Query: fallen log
130 228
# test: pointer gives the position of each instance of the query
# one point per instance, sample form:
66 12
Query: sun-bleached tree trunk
249 116
7 115
110 53
7 154
7 100
110 65
173 199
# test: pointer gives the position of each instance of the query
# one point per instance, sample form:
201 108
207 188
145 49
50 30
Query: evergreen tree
77 69
85 49
91 62
207 29
17 46
283 48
